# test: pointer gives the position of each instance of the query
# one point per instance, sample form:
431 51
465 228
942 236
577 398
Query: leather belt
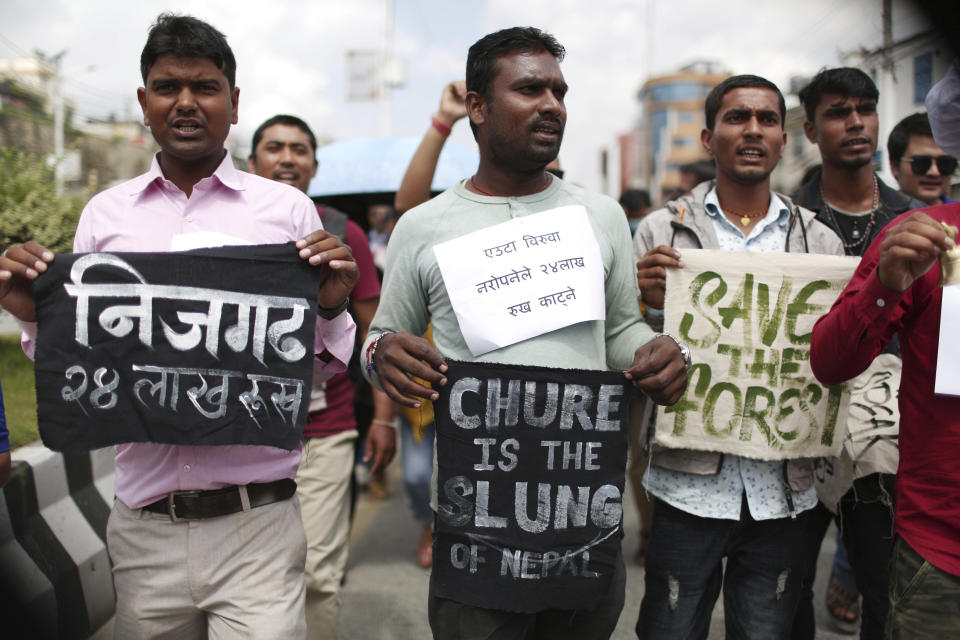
213 503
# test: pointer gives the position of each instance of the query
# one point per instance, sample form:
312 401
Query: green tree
29 206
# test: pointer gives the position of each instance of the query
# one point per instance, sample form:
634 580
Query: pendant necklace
745 218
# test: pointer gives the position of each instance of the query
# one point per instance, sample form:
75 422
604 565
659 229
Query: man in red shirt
284 149
895 289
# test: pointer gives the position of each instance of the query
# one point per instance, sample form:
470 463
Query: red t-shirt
846 340
338 415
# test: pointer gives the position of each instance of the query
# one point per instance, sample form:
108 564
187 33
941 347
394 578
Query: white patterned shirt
720 495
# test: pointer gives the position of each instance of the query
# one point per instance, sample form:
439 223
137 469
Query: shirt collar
226 174
777 212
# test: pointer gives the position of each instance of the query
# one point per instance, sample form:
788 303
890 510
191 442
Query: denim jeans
685 573
417 460
451 620
866 523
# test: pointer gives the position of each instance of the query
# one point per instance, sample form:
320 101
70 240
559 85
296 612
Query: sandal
843 605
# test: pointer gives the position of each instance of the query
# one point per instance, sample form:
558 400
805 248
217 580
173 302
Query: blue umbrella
377 165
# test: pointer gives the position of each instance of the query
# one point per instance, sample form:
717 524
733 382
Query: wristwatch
684 351
330 314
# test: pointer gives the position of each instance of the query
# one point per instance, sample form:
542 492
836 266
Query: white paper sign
524 277
948 352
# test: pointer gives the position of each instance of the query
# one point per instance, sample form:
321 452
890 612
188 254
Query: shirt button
186 468
881 302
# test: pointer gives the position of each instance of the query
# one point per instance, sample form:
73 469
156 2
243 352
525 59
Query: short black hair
290 121
187 37
484 53
711 105
915 124
635 199
848 82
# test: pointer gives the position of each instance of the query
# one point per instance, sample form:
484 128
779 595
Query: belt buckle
171 504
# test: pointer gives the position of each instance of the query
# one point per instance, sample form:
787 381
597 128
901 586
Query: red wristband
439 126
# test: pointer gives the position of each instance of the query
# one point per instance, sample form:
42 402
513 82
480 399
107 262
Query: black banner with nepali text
530 484
205 347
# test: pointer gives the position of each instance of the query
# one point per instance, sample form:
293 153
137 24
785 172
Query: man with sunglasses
922 168
849 197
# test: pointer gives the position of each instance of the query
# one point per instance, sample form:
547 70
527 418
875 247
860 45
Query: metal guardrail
55 578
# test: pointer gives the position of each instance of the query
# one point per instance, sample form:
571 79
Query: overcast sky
291 55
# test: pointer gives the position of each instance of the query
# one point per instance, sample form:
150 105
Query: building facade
667 135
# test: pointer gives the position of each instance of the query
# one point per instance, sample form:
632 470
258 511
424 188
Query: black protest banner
205 347
530 482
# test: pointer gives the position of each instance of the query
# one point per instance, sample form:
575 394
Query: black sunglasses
946 165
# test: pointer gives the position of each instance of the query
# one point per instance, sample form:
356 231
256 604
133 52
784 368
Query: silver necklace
856 237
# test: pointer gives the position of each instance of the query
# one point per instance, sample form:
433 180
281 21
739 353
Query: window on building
922 76
658 120
685 116
679 91
682 142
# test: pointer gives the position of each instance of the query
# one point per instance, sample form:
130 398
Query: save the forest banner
748 320
530 484
206 347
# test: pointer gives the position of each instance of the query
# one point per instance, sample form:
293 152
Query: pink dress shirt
144 214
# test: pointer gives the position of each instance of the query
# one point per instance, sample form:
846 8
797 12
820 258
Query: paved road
386 592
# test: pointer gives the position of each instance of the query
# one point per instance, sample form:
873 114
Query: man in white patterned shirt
710 505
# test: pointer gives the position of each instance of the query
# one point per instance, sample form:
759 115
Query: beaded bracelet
372 350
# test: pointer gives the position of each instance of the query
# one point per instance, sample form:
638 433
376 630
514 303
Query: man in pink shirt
227 558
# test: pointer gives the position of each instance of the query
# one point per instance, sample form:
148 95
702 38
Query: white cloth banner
873 429
524 277
748 319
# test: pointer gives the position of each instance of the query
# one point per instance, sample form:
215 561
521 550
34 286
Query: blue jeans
684 575
841 565
417 459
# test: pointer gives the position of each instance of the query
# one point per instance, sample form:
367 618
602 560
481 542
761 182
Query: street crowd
251 541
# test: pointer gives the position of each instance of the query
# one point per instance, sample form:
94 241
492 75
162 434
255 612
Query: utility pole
385 69
58 120
887 111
